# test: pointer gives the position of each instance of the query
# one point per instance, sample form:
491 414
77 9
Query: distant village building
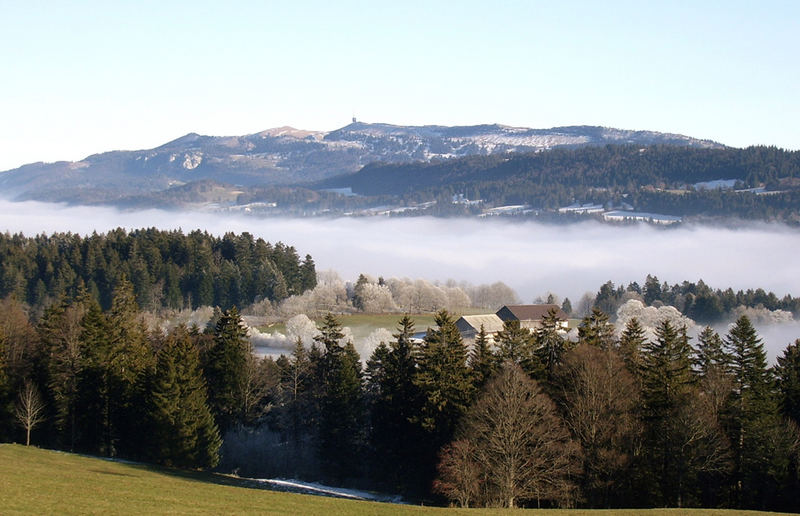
582 208
515 209
634 216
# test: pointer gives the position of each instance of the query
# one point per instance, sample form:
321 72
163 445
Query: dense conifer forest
166 268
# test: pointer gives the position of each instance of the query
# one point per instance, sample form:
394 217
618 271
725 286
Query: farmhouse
470 325
529 316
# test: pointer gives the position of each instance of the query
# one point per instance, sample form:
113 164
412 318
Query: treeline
167 268
695 300
530 419
613 173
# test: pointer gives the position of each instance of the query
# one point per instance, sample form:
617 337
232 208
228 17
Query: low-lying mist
531 258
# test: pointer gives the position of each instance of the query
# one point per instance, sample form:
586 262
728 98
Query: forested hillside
166 268
645 177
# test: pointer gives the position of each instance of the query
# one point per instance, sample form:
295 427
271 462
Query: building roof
533 312
491 322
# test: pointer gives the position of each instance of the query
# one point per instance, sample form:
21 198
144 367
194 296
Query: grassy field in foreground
34 481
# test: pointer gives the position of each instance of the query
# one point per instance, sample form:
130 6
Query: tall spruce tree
296 419
443 379
596 330
130 361
341 426
517 345
96 403
710 354
550 343
60 331
751 419
667 389
445 387
182 429
787 372
482 361
630 345
396 399
225 364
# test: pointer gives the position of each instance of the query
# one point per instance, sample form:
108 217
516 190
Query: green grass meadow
364 324
35 481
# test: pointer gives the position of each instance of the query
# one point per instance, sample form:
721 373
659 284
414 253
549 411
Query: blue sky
85 77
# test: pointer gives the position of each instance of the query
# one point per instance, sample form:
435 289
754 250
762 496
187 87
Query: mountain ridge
286 156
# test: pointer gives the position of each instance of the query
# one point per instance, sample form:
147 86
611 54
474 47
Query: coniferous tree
566 306
395 403
751 419
341 404
517 344
60 331
787 372
182 429
630 345
595 330
443 378
549 342
130 361
225 366
482 361
358 292
444 383
308 274
710 354
667 388
95 406
296 418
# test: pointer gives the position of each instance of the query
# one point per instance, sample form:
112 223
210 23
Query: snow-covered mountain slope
288 156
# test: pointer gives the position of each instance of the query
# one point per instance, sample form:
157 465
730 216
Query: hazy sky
89 76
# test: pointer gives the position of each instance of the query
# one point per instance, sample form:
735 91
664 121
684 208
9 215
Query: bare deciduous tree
599 396
460 474
524 449
29 410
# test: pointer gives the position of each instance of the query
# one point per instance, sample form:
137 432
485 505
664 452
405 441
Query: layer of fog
531 258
